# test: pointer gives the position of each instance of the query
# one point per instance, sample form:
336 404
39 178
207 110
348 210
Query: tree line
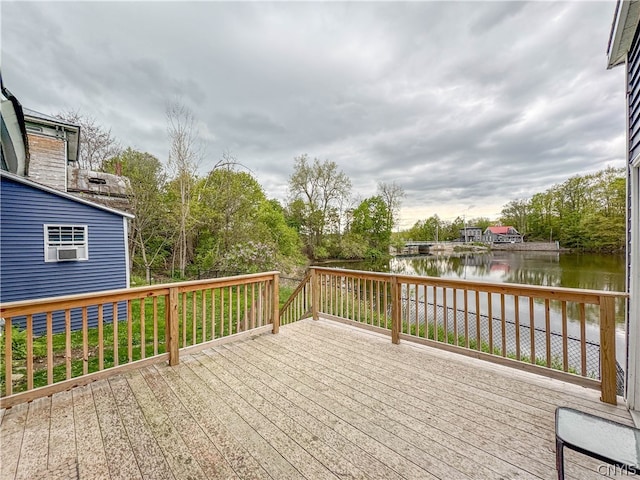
586 212
188 225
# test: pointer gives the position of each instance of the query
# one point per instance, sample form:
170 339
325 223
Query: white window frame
52 248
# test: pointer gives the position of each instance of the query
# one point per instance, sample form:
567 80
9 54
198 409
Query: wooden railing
298 305
53 344
559 332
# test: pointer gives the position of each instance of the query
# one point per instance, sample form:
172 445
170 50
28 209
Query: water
553 269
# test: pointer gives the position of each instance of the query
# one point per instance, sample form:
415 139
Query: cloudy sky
466 105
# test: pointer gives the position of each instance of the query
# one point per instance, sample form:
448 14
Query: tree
371 222
97 145
149 231
323 190
516 213
392 195
184 156
235 223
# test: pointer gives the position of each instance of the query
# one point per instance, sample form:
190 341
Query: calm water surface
553 269
590 271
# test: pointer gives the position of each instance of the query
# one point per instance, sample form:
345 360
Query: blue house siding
634 100
24 274
633 106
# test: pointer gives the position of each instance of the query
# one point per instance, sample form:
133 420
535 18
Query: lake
553 269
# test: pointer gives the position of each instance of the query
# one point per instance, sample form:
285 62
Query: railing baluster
547 323
565 348
378 303
516 301
396 307
435 314
194 319
213 314
359 302
583 341
478 326
490 316
445 318
203 312
532 331
238 322
230 314
29 333
100 337
49 348
130 330
183 316
455 316
143 340
371 320
116 340
172 328
246 306
504 325
466 318
85 342
253 305
155 325
67 343
417 311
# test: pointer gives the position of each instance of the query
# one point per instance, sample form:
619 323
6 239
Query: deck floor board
320 400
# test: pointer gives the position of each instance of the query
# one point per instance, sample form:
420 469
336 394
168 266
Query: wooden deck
319 400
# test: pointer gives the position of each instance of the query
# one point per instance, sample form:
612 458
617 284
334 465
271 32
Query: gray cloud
460 103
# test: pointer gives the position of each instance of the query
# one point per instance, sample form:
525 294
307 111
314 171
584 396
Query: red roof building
506 234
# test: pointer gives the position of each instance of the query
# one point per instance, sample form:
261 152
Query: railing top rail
26 307
554 293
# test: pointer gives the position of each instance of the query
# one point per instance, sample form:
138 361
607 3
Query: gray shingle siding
24 274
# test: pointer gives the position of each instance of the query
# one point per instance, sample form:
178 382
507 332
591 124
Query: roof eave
623 31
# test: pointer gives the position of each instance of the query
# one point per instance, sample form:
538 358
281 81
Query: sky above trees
465 105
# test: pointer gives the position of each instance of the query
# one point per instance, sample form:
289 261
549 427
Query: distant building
502 235
470 234
53 146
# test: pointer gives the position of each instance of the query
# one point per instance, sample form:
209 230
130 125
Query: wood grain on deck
320 400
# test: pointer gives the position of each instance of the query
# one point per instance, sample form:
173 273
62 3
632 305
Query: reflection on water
553 269
590 271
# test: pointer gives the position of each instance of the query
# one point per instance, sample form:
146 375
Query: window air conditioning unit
67 253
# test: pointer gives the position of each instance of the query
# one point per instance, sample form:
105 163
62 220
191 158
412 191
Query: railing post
275 307
396 310
608 377
172 327
315 293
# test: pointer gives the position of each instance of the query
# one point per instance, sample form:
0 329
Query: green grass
227 313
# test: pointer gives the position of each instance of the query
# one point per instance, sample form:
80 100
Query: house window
65 243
